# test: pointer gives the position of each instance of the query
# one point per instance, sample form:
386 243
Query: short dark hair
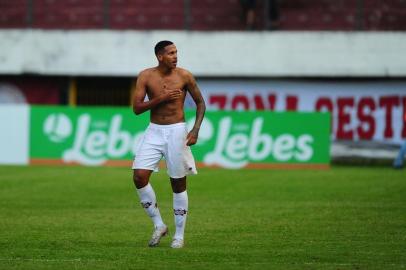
161 45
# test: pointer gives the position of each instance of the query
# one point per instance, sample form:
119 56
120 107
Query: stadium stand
14 14
319 15
72 14
146 15
385 15
342 15
216 15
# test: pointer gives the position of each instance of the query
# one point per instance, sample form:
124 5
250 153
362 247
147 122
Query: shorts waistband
156 126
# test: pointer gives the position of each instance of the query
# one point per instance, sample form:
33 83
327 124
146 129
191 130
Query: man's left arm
197 97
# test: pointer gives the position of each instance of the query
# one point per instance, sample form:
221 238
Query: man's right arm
139 103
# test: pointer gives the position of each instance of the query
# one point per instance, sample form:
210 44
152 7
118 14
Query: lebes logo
57 127
93 142
238 144
226 139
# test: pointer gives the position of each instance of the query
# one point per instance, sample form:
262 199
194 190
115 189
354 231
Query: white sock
180 209
148 202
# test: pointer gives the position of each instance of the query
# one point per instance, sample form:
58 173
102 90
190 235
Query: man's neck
164 70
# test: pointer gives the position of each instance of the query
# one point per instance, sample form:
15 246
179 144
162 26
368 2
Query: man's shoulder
146 71
183 72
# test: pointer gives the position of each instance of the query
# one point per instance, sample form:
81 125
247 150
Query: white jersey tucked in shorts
168 141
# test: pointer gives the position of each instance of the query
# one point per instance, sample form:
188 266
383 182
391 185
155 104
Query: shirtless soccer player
166 136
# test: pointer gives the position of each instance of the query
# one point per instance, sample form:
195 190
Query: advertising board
229 139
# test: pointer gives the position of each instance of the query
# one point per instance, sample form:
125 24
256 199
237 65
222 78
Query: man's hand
172 94
191 137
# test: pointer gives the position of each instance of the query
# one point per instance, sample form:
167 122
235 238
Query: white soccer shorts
169 142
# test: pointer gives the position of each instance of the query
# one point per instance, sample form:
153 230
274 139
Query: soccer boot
158 233
177 243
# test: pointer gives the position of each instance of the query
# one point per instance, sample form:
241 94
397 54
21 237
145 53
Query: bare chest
159 84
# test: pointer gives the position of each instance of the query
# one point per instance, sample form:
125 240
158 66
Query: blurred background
342 56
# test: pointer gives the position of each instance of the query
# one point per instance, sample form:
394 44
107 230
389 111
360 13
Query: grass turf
90 218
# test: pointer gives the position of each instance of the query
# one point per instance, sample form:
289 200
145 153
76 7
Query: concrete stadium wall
214 54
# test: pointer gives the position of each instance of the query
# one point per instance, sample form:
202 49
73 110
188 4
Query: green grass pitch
90 218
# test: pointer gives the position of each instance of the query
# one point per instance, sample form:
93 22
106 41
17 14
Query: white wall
14 135
263 54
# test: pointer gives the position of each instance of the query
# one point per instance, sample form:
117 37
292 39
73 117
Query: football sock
180 209
148 202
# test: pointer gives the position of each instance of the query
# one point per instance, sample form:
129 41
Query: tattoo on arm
199 101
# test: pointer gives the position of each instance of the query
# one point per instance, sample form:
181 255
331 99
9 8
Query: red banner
359 110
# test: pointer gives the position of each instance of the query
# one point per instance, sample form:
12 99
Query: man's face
169 57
